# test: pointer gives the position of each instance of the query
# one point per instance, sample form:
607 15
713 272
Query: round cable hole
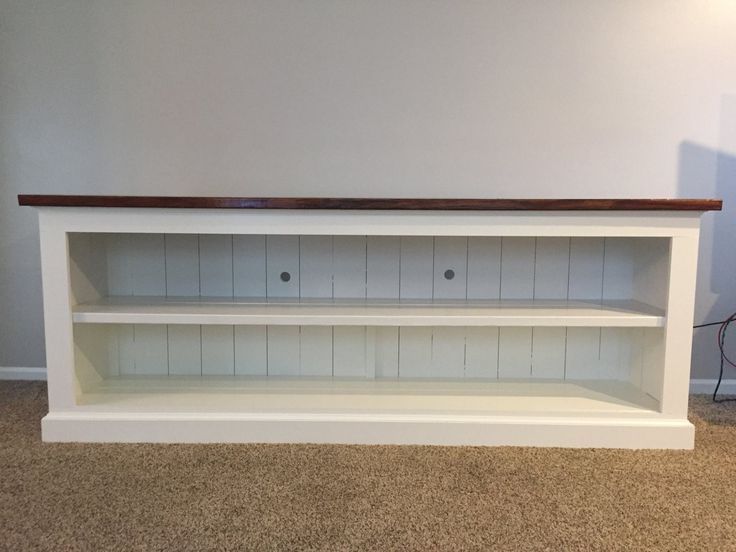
449 274
285 276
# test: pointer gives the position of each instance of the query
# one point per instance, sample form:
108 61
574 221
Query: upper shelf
369 312
347 203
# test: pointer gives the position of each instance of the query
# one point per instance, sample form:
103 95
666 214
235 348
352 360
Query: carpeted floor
281 497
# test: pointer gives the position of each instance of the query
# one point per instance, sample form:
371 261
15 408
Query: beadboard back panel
393 268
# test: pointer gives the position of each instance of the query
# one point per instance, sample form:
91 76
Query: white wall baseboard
697 386
22 373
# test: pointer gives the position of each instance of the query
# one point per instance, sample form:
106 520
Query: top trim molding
400 204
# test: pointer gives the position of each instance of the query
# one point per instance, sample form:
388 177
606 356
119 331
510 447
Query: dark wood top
173 202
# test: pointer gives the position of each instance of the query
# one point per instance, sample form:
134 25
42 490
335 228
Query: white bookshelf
548 328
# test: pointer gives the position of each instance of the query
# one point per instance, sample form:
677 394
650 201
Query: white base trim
22 373
707 386
158 427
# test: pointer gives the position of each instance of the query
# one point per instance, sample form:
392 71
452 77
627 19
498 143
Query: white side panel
282 258
151 349
583 348
315 266
216 265
283 350
383 264
315 351
415 351
249 266
517 268
182 264
417 257
481 352
548 353
551 268
387 352
448 353
250 350
349 266
349 354
450 267
218 351
185 350
586 268
484 268
514 352
652 377
148 264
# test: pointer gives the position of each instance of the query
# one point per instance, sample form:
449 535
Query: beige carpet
282 497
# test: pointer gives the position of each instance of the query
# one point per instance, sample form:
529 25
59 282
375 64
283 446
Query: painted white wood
515 352
124 351
415 352
87 267
484 267
249 266
615 354
383 254
448 353
151 349
612 255
547 431
185 350
369 312
148 264
218 351
548 353
349 266
315 351
618 268
315 266
349 352
216 265
283 350
379 223
387 352
282 257
586 268
552 268
481 352
450 267
517 268
251 356
182 264
417 262
583 353
678 333
119 253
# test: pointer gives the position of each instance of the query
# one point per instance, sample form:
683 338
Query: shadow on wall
704 172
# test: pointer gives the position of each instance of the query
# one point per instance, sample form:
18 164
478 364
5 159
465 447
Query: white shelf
254 395
256 311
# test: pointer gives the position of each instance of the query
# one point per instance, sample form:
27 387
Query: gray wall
364 98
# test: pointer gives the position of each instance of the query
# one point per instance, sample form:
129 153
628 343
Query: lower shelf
365 396
282 410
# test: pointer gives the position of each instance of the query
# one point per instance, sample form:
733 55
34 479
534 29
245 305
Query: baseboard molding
707 386
697 386
22 373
